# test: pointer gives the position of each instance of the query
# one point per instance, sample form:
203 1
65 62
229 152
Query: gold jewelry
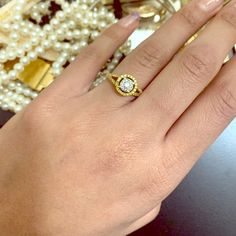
125 85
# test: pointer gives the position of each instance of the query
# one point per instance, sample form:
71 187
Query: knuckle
150 56
229 16
224 104
187 16
89 53
157 105
114 34
197 63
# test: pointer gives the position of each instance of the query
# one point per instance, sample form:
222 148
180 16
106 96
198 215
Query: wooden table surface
205 202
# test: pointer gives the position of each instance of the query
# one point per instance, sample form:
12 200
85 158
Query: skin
90 162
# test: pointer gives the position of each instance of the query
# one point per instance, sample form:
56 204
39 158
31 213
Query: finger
149 217
77 78
152 55
191 70
207 117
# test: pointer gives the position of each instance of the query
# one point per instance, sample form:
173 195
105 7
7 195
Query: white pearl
53 38
85 22
3 57
76 48
69 35
20 52
26 92
5 107
71 24
27 46
83 44
34 41
39 50
78 16
54 22
6 26
60 15
77 34
66 46
11 55
102 25
26 101
25 60
85 33
34 95
17 108
12 85
18 67
17 18
46 44
32 56
12 74
47 28
14 36
58 46
72 59
25 31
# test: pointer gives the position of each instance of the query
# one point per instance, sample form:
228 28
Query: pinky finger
206 118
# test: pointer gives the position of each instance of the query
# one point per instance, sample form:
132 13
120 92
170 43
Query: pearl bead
3 57
12 74
19 67
78 16
11 55
12 85
60 15
14 36
77 34
58 46
27 46
39 50
85 33
24 60
46 44
85 22
54 22
6 26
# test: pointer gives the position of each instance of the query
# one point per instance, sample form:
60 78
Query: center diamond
127 85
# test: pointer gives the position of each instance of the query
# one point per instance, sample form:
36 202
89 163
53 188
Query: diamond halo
126 85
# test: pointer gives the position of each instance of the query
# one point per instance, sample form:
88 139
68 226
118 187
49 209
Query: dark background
205 202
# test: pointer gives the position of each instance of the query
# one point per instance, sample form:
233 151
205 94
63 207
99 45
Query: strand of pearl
15 95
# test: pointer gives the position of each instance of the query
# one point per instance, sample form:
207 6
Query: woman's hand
80 162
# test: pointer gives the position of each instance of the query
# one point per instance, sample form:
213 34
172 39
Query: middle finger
191 70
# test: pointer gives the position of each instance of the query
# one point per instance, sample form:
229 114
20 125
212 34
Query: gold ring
125 85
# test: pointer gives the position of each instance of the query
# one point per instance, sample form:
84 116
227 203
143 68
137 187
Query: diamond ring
125 85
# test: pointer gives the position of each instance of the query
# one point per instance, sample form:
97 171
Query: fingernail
129 20
210 5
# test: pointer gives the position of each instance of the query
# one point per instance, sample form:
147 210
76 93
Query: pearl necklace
70 29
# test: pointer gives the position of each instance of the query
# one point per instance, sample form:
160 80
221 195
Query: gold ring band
126 85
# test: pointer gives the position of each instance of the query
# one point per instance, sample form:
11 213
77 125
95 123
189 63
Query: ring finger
153 54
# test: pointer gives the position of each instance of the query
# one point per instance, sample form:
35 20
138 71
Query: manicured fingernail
129 20
210 5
